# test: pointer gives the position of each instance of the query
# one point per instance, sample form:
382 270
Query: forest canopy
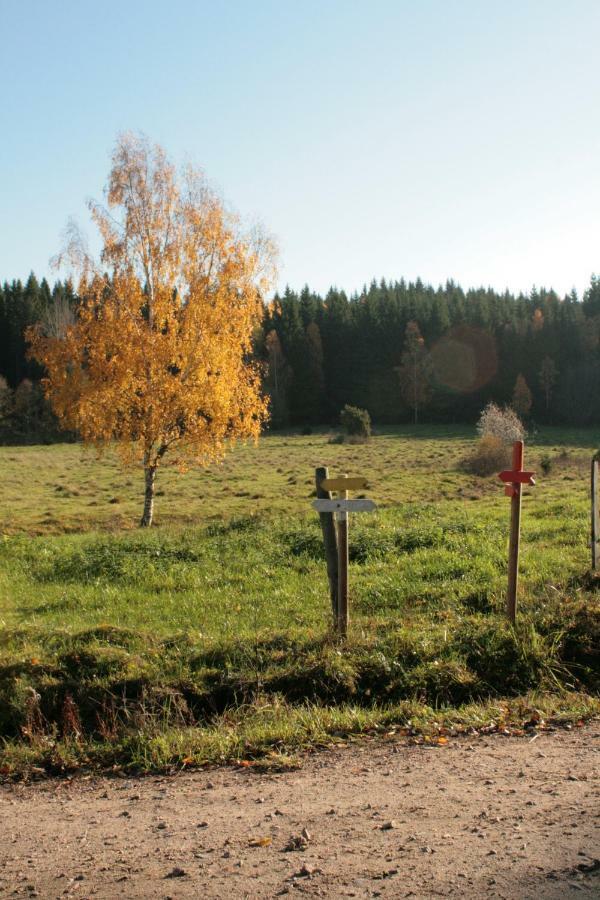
322 352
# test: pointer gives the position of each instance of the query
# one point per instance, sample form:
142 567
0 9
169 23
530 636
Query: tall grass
211 640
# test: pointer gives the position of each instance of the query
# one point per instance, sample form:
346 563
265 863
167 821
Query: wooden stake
595 515
329 541
515 536
335 536
342 535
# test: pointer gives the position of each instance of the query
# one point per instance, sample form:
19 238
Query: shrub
356 422
546 463
503 424
490 456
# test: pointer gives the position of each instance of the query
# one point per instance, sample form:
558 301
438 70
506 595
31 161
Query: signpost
339 507
329 539
344 505
513 479
344 483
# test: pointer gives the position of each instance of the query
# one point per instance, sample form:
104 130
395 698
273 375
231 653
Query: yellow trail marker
344 484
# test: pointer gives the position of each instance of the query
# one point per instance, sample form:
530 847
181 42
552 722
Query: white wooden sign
344 505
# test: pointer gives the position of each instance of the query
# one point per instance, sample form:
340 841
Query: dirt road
494 817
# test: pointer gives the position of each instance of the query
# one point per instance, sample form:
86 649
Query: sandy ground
487 817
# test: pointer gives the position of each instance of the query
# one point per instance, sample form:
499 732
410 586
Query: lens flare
464 359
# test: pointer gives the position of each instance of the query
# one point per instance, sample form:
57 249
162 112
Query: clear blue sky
438 138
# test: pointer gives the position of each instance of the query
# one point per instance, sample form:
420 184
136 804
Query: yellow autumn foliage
158 359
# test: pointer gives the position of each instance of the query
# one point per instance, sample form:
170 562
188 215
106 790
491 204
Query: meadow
207 638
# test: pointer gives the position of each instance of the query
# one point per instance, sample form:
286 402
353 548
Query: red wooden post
595 515
514 479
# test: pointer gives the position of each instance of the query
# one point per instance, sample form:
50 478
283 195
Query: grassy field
207 638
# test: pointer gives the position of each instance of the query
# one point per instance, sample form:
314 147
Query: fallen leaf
260 842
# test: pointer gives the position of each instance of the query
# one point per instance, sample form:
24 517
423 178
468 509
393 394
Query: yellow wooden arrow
343 483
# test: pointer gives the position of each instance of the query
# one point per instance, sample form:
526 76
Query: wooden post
330 542
335 535
515 536
595 515
342 534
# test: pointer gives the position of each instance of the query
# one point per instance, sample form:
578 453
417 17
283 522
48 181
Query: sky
432 138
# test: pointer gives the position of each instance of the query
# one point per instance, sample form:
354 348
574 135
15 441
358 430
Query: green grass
207 638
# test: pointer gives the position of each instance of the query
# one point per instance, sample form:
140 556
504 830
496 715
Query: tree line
402 350
24 413
406 350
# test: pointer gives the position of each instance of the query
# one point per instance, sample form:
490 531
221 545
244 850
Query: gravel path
494 817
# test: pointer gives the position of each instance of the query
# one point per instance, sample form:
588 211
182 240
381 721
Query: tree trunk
415 388
149 477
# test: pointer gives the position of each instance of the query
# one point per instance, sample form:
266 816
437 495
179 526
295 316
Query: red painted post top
516 476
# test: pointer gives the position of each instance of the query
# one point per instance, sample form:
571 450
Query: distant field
225 603
64 488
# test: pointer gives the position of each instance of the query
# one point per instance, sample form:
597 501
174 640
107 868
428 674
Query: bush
490 456
356 422
503 424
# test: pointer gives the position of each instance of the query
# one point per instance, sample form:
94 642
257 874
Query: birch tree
415 370
158 357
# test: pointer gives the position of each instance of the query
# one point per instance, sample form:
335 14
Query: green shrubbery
356 423
112 682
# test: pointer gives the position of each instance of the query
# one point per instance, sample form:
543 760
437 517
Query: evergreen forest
405 351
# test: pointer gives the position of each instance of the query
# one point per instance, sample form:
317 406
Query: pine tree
547 376
591 298
439 320
277 380
4 332
315 378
